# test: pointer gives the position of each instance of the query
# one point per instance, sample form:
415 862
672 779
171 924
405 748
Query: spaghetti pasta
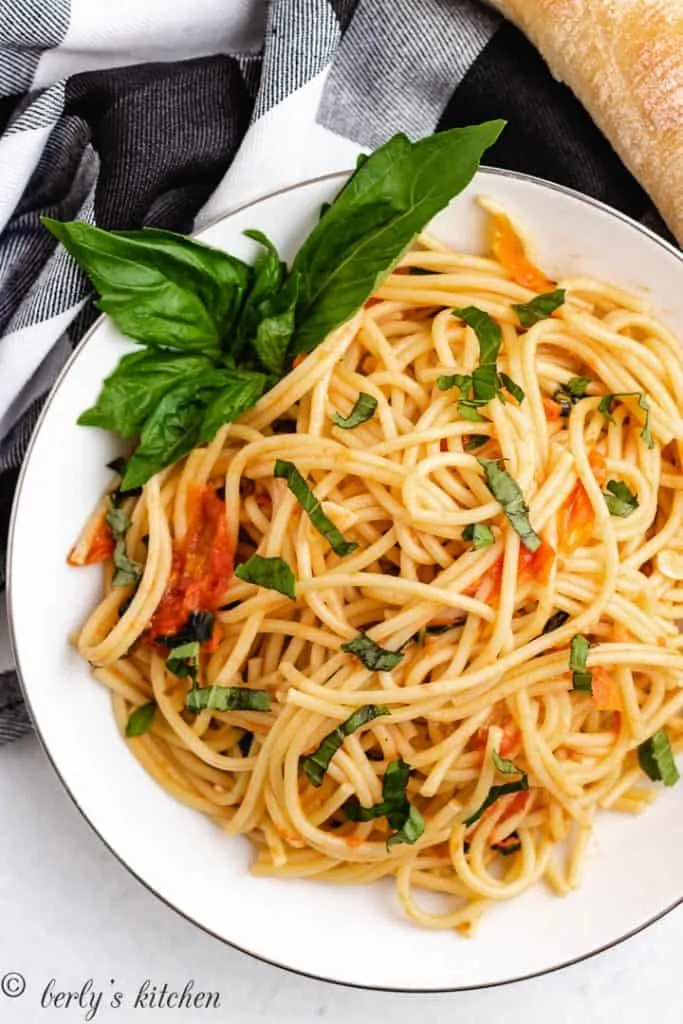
419 716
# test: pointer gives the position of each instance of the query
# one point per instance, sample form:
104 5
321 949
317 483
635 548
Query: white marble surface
69 911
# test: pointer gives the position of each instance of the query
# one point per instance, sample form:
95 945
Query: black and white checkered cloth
170 114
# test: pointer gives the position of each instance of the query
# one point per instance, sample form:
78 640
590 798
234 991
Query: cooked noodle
403 486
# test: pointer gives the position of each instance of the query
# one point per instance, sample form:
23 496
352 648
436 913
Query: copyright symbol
12 984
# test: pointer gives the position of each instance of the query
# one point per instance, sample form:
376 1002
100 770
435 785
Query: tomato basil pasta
415 613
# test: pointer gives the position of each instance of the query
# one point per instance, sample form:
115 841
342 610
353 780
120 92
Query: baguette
623 59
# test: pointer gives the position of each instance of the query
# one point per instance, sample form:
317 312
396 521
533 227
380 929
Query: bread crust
624 61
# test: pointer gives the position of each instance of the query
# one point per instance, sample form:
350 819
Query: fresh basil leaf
237 392
514 389
183 661
495 793
160 288
363 410
131 393
140 720
312 507
188 415
198 628
620 500
127 570
268 317
506 490
607 403
488 332
582 678
511 844
276 328
374 657
316 764
270 273
555 621
406 820
505 766
480 535
227 698
656 758
373 220
271 573
475 441
540 308
454 380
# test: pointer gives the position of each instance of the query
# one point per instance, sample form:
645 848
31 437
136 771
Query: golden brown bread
624 61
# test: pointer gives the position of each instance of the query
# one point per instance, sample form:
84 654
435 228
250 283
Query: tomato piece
101 547
606 692
202 564
297 360
536 564
508 743
515 804
553 410
507 247
577 511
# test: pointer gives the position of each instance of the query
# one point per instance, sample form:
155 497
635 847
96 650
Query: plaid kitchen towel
152 113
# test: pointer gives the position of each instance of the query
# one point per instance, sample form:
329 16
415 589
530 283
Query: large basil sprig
217 331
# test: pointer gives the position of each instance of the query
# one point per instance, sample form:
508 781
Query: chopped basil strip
316 764
468 411
227 698
555 621
607 403
127 570
454 380
312 507
570 393
506 490
117 496
406 821
374 657
438 630
475 441
505 766
271 573
515 390
489 334
411 829
199 627
540 308
495 793
620 501
511 844
582 678
656 758
480 535
485 382
141 719
183 661
363 410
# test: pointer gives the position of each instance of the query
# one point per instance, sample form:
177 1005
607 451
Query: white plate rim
14 647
